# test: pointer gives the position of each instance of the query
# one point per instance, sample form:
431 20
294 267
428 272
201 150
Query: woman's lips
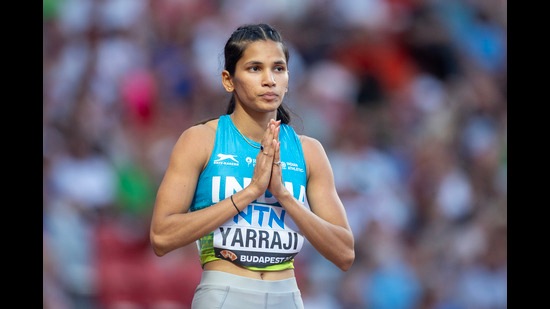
269 96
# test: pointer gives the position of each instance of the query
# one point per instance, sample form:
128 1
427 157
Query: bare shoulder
311 146
314 154
201 131
200 135
196 142
317 162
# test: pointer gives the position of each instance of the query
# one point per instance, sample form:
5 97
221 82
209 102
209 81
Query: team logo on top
226 159
284 165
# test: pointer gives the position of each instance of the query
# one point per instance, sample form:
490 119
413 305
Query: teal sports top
261 237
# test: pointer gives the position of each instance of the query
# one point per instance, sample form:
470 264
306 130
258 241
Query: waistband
220 278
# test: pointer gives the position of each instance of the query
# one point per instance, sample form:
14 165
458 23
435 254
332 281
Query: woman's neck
250 127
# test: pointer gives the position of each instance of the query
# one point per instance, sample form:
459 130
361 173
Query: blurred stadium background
409 98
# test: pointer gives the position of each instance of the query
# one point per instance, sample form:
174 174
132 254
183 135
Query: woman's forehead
262 51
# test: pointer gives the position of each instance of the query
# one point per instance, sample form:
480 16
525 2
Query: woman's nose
269 79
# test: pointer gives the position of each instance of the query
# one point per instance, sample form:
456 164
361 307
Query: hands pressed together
267 172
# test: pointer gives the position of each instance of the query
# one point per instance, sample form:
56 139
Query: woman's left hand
276 186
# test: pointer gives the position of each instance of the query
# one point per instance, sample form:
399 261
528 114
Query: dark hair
236 45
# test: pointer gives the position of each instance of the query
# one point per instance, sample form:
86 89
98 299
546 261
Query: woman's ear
227 81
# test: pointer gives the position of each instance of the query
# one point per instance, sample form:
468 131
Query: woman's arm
172 225
326 226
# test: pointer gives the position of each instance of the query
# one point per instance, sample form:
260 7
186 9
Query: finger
276 123
277 152
263 150
265 145
276 132
276 141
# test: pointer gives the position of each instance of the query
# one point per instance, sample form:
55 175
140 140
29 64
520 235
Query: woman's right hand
264 159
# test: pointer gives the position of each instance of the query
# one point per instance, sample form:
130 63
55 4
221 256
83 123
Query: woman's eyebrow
256 62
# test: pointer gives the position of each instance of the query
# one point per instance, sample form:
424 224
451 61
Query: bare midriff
228 267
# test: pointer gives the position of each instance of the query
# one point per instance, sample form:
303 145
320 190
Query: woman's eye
254 69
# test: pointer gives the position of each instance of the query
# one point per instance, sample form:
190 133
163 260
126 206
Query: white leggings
220 290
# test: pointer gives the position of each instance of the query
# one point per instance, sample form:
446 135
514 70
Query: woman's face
260 81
